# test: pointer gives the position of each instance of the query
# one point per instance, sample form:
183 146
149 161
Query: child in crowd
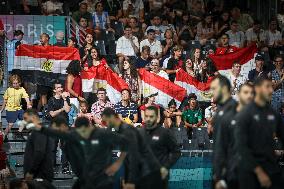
12 102
84 111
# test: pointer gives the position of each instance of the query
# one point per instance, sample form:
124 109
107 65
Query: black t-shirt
173 64
112 7
56 104
164 43
141 63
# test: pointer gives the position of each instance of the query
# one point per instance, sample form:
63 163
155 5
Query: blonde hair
12 78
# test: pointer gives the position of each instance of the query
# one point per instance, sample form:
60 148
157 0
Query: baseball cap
259 57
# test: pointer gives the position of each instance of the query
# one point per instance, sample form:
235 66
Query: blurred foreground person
257 127
140 162
162 143
97 145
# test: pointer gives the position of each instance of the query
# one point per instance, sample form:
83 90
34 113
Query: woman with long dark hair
130 75
188 67
85 50
72 42
195 56
73 83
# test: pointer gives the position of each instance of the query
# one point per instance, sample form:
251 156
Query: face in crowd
246 94
151 118
101 95
125 95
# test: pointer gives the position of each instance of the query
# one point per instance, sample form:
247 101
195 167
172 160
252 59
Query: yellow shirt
13 98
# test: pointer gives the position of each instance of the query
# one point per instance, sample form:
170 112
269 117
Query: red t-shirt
225 50
143 107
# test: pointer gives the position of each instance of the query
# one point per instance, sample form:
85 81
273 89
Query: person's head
185 17
82 126
44 39
110 117
273 25
246 93
208 19
83 22
74 68
57 88
236 12
151 34
195 54
84 107
99 7
192 101
278 62
18 34
127 31
263 89
18 184
129 66
101 94
259 62
89 39
220 87
59 36
224 39
151 99
83 8
125 95
204 64
256 25
157 20
31 116
172 105
169 34
225 16
15 81
145 52
59 123
151 117
188 64
236 68
95 53
234 26
72 42
155 65
177 51
133 22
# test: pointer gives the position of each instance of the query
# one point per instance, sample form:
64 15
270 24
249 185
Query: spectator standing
258 71
175 63
59 39
143 61
127 110
73 83
278 83
236 78
99 106
158 28
172 115
85 50
236 37
188 67
130 75
155 45
39 152
205 29
12 102
133 8
244 20
52 7
156 69
114 9
127 45
82 12
256 35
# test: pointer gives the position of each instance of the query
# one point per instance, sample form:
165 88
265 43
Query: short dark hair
153 108
59 120
18 32
84 102
127 26
57 82
31 112
16 183
223 81
277 56
74 68
150 31
236 62
234 22
101 89
128 90
45 35
82 122
108 112
260 80
246 84
172 102
144 48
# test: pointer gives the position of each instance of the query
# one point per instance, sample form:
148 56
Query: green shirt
192 116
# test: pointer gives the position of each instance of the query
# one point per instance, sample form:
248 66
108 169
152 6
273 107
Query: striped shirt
126 111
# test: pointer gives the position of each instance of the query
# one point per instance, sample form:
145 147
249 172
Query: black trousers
250 181
152 181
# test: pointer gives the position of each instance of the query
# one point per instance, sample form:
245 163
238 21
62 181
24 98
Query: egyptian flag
103 77
192 85
245 56
167 90
43 65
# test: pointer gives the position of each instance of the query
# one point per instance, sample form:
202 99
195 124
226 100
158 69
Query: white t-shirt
155 47
273 37
124 46
236 39
137 6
